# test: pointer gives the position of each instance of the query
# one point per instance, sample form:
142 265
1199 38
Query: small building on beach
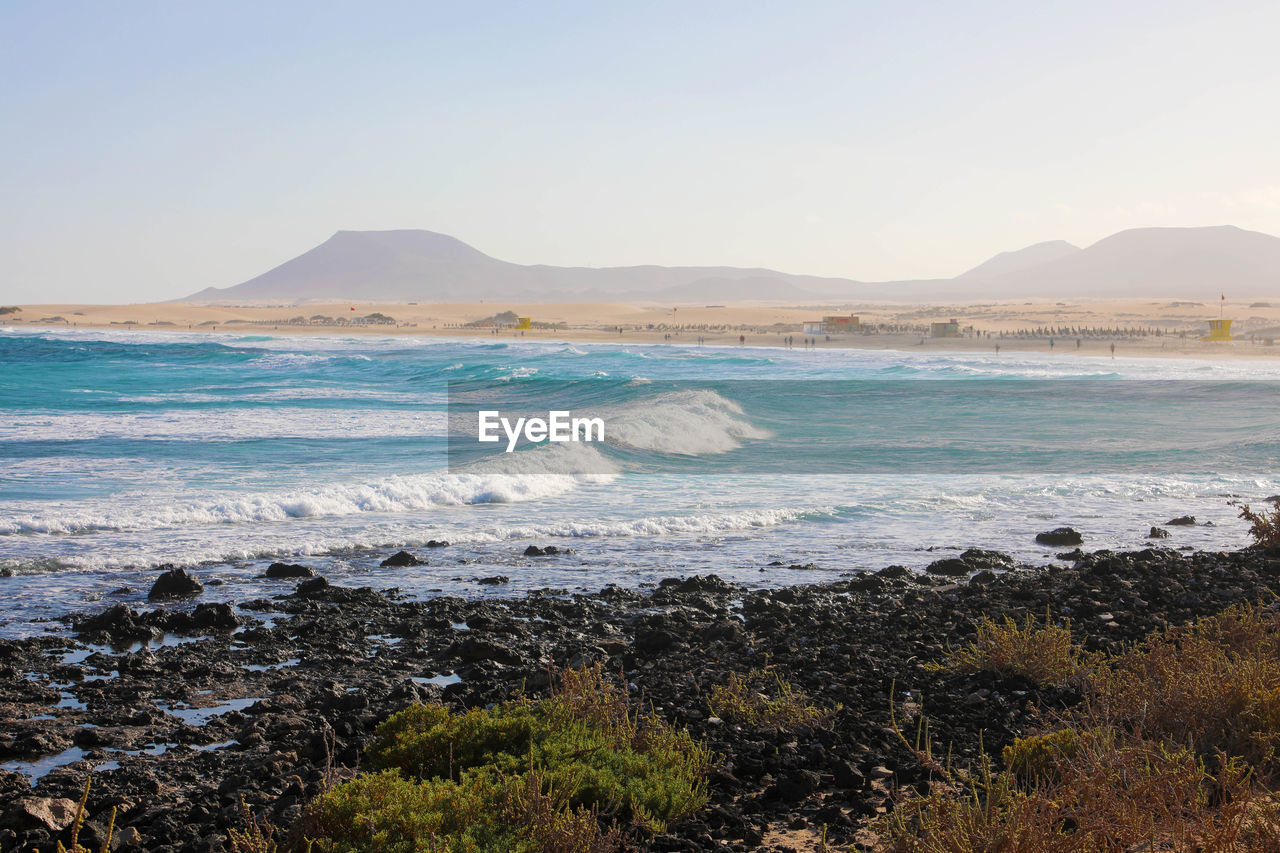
1219 330
949 329
833 324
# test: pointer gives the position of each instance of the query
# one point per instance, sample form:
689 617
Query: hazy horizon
156 150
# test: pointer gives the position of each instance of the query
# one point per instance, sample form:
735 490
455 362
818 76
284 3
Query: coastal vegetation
764 699
573 773
1174 744
1043 653
1264 527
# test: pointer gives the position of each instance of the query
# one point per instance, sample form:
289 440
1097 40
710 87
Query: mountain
1149 262
429 267
1195 263
1007 263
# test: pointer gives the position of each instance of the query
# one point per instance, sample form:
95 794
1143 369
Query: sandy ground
989 324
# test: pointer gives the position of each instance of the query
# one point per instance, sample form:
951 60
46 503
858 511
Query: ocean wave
398 494
659 525
278 360
686 423
229 424
568 459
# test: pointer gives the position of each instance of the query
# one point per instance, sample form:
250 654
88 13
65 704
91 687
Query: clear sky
150 149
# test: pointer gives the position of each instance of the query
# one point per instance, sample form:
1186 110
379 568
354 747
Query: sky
151 149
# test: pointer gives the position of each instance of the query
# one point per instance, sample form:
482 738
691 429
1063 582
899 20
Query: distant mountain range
424 266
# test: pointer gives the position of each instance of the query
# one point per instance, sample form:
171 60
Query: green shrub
1038 756
524 776
388 812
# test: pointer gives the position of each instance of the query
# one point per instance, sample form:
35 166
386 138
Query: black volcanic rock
315 586
1182 521
326 669
289 570
401 559
972 560
175 583
1060 537
548 551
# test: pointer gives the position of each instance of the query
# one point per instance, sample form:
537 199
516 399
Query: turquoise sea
123 451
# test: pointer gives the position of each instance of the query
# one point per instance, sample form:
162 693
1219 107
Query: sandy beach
1169 328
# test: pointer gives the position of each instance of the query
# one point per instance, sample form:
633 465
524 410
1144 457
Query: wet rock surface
290 570
179 713
401 559
1060 537
175 583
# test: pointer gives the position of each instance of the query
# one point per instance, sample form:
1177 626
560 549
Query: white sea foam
569 459
400 494
221 424
658 525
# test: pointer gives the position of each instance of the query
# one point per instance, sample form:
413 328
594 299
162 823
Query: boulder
474 650
175 583
496 580
400 559
972 560
1060 537
437 543
980 558
893 573
1158 533
1182 521
535 551
215 616
119 620
952 567
289 570
315 586
53 814
696 583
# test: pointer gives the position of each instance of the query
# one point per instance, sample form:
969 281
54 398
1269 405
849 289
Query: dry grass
1115 793
1264 528
1212 686
258 836
1173 749
747 700
1043 653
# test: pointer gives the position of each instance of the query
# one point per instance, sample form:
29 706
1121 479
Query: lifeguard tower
1219 330
524 322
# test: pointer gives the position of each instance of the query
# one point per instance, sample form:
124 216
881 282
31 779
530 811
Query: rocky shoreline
180 712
